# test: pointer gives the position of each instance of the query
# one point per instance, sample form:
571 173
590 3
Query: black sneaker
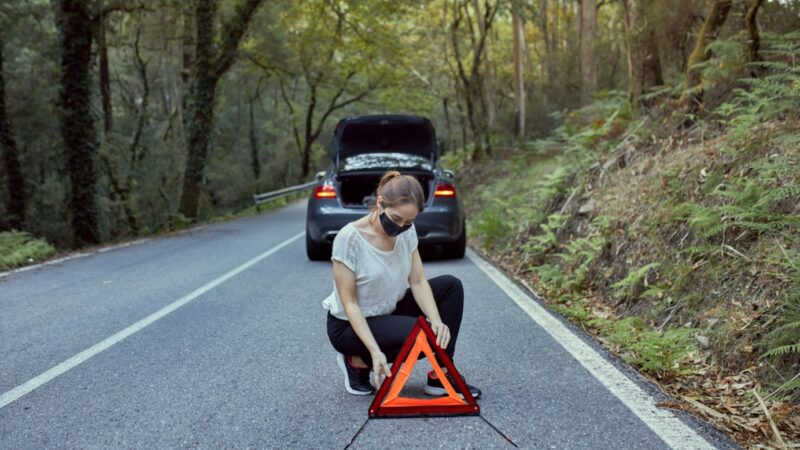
435 387
356 380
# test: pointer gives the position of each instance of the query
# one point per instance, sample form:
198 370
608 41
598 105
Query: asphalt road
215 338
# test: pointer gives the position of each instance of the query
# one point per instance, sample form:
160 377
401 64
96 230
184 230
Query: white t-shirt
381 276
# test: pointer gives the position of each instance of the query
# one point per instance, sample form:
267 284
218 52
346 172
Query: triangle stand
388 403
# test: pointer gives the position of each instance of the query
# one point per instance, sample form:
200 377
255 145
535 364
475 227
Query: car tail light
324 191
444 190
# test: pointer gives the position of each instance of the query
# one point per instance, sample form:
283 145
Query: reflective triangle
388 403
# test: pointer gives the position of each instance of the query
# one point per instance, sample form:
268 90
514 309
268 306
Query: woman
380 289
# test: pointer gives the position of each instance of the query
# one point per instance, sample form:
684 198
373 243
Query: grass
18 248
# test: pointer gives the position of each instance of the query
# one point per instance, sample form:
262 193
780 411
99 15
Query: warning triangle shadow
388 403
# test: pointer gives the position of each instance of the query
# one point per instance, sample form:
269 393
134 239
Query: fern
625 286
540 244
776 93
784 349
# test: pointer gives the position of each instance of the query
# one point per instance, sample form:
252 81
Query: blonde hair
397 189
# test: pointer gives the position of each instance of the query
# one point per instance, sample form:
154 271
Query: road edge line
662 422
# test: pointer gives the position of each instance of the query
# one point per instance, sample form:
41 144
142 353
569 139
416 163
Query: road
216 338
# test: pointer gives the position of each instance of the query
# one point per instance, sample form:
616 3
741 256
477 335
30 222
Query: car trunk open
358 189
365 148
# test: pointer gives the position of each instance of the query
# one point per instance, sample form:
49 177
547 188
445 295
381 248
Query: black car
364 148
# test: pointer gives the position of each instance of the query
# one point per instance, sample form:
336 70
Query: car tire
457 249
317 252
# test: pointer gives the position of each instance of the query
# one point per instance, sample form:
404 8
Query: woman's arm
345 281
423 295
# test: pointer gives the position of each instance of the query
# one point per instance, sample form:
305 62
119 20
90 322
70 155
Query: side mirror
320 175
449 173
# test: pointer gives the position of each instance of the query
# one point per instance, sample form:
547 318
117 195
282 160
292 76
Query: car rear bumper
439 223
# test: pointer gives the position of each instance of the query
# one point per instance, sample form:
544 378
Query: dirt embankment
669 235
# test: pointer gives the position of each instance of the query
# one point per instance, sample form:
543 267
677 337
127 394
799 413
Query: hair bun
388 176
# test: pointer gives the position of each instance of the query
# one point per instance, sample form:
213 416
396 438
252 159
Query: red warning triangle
388 403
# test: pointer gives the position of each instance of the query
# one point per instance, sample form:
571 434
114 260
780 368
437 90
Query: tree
15 181
519 79
471 79
641 48
588 27
753 38
692 98
76 122
207 68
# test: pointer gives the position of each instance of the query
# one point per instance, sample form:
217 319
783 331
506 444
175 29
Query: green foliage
626 287
727 60
575 312
551 277
773 94
492 223
782 344
579 255
539 244
18 248
660 354
745 203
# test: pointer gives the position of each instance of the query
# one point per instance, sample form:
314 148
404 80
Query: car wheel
456 249
317 252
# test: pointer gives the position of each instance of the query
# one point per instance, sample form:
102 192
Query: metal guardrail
267 196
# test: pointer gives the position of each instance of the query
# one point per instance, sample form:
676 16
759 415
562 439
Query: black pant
391 331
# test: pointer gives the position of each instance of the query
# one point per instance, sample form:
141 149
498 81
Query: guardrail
267 196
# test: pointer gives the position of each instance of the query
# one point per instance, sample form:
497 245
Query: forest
631 159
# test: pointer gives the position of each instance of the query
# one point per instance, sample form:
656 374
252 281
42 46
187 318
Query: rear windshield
384 160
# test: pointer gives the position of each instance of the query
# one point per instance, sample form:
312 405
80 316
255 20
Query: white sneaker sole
340 361
438 392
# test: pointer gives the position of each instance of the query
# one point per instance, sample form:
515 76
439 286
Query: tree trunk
519 85
206 72
16 183
693 97
254 161
753 38
588 26
77 126
543 24
105 82
555 38
488 83
448 124
186 62
202 89
651 65
631 12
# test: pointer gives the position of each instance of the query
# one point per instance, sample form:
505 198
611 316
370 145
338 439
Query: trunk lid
384 141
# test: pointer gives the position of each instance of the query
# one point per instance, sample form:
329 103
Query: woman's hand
380 367
442 333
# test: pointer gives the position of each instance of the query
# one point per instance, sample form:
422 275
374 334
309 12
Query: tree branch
232 33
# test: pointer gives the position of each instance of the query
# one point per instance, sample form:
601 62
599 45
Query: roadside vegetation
18 248
677 246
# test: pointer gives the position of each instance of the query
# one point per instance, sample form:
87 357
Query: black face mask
391 228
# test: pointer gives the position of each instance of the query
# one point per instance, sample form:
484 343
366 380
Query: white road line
14 394
669 428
